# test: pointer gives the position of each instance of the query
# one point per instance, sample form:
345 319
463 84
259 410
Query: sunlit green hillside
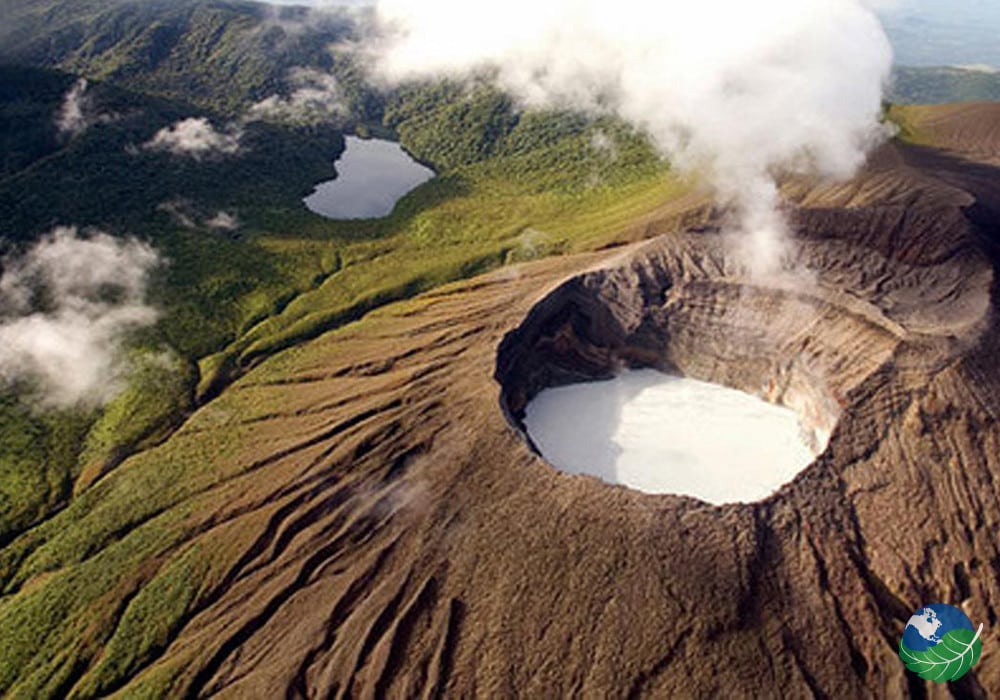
512 187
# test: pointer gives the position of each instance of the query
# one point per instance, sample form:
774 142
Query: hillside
335 503
101 177
216 281
225 55
970 128
316 481
231 298
920 85
219 55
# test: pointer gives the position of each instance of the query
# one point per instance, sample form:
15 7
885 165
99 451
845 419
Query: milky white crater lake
372 175
663 434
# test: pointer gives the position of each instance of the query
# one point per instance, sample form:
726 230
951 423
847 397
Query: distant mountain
218 54
940 85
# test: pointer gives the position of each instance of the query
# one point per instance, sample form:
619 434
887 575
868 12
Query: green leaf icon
949 660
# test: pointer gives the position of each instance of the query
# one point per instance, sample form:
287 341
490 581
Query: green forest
511 185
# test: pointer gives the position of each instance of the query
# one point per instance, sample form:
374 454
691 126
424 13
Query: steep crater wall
808 341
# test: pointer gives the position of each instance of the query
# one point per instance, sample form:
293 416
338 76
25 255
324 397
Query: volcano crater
811 341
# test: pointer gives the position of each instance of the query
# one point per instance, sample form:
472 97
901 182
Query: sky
944 32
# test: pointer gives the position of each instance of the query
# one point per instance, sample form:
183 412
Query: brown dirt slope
967 127
369 522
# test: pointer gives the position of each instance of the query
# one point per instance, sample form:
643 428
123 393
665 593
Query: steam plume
66 306
737 91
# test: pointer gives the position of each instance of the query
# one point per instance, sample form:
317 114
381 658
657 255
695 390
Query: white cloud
66 306
77 112
223 221
181 211
316 98
738 91
196 138
186 214
70 119
604 144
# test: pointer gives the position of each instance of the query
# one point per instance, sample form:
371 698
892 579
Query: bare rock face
373 523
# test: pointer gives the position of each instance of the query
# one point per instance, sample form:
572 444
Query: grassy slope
55 625
114 538
513 187
970 127
212 287
537 187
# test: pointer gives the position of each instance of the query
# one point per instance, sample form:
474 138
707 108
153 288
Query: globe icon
940 643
